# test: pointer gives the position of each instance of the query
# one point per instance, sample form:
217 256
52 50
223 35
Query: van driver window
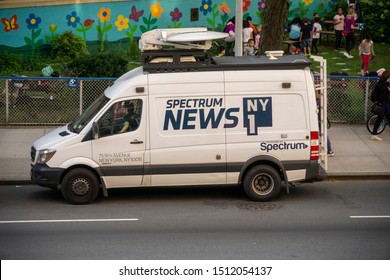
124 116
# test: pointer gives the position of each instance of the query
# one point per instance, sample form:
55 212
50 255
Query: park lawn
336 59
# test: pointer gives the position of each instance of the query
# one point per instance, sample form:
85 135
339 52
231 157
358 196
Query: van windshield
78 124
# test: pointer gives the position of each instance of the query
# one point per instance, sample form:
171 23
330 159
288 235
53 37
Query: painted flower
261 5
245 5
88 22
52 28
73 19
122 23
104 14
135 15
206 6
176 14
224 8
33 21
156 10
307 2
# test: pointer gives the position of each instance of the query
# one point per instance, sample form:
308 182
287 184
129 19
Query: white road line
68 221
368 217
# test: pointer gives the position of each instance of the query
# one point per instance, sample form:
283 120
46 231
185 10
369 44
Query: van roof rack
188 51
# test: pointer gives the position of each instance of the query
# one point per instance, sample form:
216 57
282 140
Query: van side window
124 116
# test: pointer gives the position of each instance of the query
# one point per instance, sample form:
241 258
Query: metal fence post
81 96
366 100
6 102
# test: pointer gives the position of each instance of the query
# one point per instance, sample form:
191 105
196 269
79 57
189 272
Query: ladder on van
321 87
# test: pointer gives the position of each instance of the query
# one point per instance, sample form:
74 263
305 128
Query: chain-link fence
55 101
46 101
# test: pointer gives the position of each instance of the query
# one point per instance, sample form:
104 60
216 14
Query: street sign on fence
73 83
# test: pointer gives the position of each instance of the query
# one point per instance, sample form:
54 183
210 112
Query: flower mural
225 10
307 2
260 10
10 24
261 5
122 23
73 19
104 16
52 29
206 6
134 16
33 23
141 16
176 15
155 11
245 5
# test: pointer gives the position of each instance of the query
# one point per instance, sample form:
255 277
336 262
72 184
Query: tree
275 17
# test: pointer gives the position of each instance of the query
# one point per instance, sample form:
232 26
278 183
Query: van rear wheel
262 183
80 186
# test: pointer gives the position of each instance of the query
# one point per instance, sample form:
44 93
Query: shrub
10 64
69 46
98 65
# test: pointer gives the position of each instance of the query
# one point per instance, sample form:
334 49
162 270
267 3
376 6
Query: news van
249 121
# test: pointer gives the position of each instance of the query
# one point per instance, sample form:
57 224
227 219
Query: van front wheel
262 183
80 186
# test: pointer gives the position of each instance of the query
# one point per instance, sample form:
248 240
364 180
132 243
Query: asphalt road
328 220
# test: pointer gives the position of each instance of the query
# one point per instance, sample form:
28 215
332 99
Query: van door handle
135 141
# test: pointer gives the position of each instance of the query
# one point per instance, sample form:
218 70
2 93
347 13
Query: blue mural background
34 27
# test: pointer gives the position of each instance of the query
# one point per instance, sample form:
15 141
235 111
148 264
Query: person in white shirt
316 34
338 23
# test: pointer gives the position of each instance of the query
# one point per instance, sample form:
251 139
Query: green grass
354 65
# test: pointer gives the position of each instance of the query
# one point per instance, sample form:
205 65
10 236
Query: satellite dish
196 36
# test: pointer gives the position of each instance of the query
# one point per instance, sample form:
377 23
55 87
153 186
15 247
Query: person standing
338 23
365 50
247 33
249 50
316 34
230 30
382 91
349 29
305 36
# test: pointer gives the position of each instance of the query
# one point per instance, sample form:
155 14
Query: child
257 36
221 51
306 34
316 34
250 50
366 48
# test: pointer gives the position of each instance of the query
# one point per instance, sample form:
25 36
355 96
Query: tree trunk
275 17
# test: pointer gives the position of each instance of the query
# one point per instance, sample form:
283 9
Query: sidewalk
355 153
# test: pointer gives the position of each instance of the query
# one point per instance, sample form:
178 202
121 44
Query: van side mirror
95 130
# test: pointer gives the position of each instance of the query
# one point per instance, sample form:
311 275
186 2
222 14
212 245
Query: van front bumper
46 176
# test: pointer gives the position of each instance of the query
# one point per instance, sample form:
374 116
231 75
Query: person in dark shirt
306 34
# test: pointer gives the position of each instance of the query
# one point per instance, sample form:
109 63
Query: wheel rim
263 184
80 187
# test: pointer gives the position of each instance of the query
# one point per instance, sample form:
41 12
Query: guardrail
49 101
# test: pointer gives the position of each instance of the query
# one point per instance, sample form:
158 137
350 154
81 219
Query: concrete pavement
355 153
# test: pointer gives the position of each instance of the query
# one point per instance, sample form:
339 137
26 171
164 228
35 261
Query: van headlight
45 155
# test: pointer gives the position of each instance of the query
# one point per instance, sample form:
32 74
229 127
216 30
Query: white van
249 121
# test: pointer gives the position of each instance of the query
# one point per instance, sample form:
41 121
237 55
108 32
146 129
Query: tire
262 183
370 124
80 186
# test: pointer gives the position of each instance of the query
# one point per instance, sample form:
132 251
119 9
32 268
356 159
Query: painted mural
35 27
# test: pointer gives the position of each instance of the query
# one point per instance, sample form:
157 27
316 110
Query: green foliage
14 64
98 65
69 46
10 64
376 18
